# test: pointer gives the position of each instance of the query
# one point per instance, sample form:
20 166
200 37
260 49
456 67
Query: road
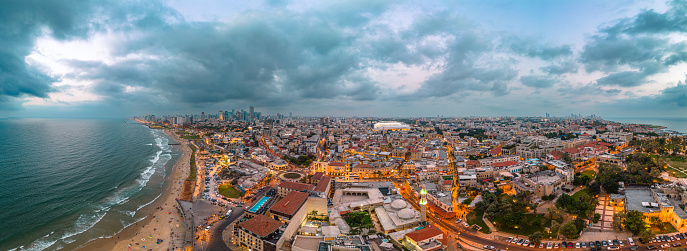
216 242
466 234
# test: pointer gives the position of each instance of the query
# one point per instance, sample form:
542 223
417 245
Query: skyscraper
252 113
226 116
221 115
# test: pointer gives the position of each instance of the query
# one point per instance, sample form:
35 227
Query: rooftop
290 204
261 225
296 185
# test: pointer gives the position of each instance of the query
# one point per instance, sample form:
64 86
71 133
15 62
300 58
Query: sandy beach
163 221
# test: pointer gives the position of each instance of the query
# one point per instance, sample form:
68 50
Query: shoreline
163 220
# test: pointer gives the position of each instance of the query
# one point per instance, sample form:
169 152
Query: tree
596 218
569 230
555 226
634 222
594 188
535 238
646 235
554 214
618 219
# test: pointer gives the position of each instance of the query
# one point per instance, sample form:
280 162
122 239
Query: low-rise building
260 233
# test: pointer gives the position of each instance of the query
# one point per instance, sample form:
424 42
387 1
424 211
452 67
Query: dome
399 204
406 214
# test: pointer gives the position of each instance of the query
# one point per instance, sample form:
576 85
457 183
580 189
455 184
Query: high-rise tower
423 204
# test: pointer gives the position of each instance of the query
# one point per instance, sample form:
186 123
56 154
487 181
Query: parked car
634 247
555 245
583 245
613 248
620 242
570 245
577 245
509 239
604 243
515 240
591 244
598 243
526 242
520 241
541 245
651 247
549 245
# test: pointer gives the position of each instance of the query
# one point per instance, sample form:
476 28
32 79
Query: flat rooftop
634 198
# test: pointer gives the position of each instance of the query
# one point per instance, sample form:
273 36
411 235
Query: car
527 242
634 247
577 245
555 245
591 244
676 244
520 241
631 241
466 224
620 242
583 245
486 247
651 247
598 243
615 242
549 245
610 243
565 244
604 243
672 238
570 245
666 245
613 248
531 244
458 220
509 239
208 228
541 245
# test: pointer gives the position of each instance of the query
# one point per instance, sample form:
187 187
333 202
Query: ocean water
672 123
65 182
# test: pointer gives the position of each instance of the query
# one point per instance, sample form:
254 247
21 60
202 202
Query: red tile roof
296 185
448 182
261 225
322 185
337 164
318 175
504 164
424 234
495 150
571 150
290 203
363 166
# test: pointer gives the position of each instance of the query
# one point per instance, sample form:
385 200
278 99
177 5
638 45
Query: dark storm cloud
20 23
560 68
538 81
650 21
624 79
639 43
533 48
670 101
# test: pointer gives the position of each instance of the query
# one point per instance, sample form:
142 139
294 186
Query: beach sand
164 222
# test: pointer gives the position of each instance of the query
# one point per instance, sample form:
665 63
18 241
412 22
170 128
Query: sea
66 182
678 124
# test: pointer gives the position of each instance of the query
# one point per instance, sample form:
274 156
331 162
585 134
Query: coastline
163 221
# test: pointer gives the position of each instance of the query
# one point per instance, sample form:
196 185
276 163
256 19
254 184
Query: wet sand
164 222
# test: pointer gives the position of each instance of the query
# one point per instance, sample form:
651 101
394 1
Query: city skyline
347 58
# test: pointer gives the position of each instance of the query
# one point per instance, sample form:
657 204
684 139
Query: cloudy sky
74 58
